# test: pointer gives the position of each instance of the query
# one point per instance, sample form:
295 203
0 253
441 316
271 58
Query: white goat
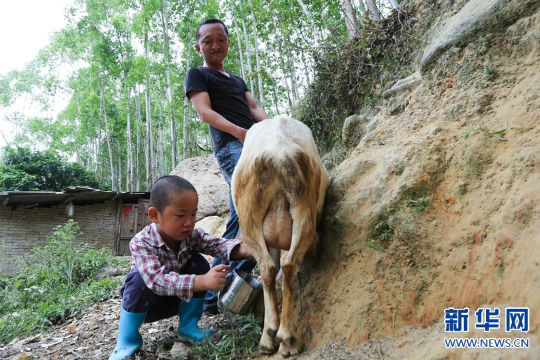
278 187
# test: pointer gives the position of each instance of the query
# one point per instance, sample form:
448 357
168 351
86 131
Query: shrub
54 282
24 170
349 76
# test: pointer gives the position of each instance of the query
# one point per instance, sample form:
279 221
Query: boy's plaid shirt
159 266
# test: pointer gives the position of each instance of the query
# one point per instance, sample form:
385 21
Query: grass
237 339
380 233
55 281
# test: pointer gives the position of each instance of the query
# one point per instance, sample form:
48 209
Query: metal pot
239 292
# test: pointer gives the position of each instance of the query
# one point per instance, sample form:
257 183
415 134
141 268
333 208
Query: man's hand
212 280
241 134
240 251
201 102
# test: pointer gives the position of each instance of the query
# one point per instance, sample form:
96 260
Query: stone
109 271
179 350
397 97
396 104
22 356
204 173
475 18
403 85
353 129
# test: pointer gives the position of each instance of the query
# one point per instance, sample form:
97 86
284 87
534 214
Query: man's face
213 45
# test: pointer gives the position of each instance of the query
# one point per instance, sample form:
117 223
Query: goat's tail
292 170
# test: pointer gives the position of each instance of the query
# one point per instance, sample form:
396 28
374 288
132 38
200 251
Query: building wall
23 229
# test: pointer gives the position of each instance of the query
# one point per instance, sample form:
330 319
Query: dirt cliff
436 205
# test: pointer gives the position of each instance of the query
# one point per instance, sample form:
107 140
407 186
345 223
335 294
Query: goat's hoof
289 350
268 344
265 350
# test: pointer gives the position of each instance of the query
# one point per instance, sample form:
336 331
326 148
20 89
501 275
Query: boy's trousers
138 298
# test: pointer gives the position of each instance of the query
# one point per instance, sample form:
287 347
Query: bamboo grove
118 70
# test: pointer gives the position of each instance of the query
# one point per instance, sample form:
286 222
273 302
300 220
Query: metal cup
239 293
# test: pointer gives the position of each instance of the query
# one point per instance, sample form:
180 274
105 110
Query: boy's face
213 45
177 220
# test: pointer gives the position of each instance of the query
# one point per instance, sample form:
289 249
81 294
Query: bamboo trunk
129 148
103 111
169 86
257 57
149 136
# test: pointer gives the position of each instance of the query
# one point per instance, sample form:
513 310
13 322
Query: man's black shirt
227 98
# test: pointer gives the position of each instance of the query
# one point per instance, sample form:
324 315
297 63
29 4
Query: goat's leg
268 342
302 238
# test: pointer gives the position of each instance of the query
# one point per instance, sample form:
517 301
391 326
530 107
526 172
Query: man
224 102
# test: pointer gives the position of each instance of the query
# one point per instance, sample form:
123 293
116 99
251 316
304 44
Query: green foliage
349 76
490 72
380 234
238 339
419 204
54 282
24 170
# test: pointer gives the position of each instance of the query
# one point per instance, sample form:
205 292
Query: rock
475 18
396 104
353 129
214 225
333 158
203 172
397 97
434 129
109 271
403 85
22 356
179 350
87 334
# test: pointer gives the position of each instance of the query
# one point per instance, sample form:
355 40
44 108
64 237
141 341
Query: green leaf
493 133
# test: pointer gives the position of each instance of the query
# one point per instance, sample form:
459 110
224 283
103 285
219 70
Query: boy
168 275
223 101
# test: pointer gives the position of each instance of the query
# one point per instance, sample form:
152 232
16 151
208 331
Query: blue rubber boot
190 314
129 339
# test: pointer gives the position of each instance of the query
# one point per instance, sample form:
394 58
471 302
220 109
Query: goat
278 189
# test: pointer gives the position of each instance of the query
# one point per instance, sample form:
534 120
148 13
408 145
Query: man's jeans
227 158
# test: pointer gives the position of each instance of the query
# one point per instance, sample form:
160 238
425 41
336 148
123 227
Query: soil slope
437 205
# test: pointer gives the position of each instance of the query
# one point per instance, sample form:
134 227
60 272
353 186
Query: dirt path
92 335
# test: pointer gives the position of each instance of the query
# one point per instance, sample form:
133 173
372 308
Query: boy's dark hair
206 22
165 187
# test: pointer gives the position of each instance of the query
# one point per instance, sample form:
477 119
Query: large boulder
203 172
214 225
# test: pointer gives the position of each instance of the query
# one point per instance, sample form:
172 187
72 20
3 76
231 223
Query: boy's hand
212 280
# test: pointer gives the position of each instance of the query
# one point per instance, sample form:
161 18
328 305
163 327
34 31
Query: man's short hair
206 22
